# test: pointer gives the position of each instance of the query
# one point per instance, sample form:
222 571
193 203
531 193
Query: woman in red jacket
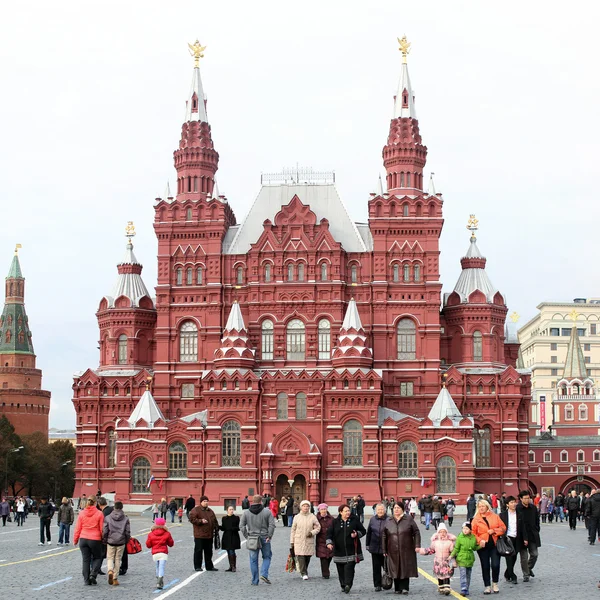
487 526
88 533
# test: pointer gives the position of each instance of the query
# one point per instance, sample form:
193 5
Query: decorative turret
196 160
351 349
146 410
404 155
444 406
15 336
575 367
235 351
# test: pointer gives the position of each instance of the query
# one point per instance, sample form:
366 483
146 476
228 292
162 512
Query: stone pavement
568 567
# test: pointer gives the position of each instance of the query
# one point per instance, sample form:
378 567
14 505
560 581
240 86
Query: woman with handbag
230 526
302 537
487 528
343 537
401 539
514 527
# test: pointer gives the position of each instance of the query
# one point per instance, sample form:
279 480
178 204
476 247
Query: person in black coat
375 542
343 537
289 510
572 506
529 539
230 526
514 532
593 516
190 503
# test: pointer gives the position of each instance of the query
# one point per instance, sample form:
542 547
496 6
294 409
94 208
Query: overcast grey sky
93 99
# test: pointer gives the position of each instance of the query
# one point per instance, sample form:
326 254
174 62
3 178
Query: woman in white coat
304 531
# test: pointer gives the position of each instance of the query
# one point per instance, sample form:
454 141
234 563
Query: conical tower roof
444 406
575 367
146 409
235 350
15 268
351 349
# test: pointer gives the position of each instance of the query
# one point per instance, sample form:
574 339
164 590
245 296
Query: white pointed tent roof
474 278
443 407
431 191
198 114
379 188
235 320
352 318
146 409
404 84
167 193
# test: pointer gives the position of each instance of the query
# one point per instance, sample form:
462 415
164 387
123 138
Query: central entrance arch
298 489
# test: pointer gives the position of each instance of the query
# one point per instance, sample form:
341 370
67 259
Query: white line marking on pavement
4 560
190 578
9 532
51 550
37 589
563 547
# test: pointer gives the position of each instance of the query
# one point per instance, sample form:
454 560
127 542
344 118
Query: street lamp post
55 482
6 467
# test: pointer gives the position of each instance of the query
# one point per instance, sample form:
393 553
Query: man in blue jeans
258 526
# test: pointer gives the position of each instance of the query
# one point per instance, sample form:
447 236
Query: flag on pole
422 481
160 485
151 481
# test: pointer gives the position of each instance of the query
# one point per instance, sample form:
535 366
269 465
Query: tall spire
351 349
15 335
404 155
196 160
575 367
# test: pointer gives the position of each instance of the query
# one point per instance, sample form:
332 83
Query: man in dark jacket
205 523
530 536
427 510
64 520
374 542
45 512
289 510
593 516
190 503
572 504
173 509
360 508
115 534
559 507
245 503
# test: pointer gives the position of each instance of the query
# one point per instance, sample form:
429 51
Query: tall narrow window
583 412
199 276
267 273
408 464
112 448
179 276
188 342
231 445
140 475
405 210
300 405
282 406
323 271
354 274
417 272
406 270
239 275
352 443
301 272
396 272
324 339
189 276
267 340
188 214
446 475
123 349
296 340
477 346
290 272
177 460
406 339
483 439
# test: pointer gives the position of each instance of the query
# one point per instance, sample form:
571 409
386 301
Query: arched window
324 339
569 412
199 276
483 447
547 456
353 443
531 456
480 389
267 273
407 336
396 272
239 275
188 342
583 412
177 460
300 405
354 274
301 272
189 279
406 272
477 346
140 475
564 456
122 349
323 271
282 406
111 448
405 210
231 445
446 475
290 272
580 456
267 340
417 272
188 214
596 455
295 340
408 464
179 276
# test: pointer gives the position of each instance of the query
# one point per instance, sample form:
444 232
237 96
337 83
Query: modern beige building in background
544 341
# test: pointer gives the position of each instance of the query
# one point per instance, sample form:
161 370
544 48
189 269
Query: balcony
572 397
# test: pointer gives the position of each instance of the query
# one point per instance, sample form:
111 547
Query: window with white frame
406 271
564 456
290 272
188 342
396 272
231 451
408 462
199 276
580 456
267 340
296 336
407 339
547 456
531 456
583 412
323 271
122 349
267 273
300 405
324 339
406 388
179 274
352 432
596 455
477 346
417 272
239 275
569 412
354 274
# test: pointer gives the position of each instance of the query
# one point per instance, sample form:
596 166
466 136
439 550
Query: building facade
298 350
22 400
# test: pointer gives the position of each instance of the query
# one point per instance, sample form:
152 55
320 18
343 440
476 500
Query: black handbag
217 540
504 546
386 579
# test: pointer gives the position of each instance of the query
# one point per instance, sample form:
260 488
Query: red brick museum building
299 348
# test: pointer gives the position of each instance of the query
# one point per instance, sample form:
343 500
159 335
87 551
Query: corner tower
22 399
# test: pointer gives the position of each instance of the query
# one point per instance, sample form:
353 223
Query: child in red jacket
159 540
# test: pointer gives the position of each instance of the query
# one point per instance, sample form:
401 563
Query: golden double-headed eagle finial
473 223
515 316
130 230
197 52
573 315
404 47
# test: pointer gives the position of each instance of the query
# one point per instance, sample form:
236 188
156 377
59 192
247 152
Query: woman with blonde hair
305 528
487 527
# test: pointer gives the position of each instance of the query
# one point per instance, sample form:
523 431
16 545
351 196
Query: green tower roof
15 268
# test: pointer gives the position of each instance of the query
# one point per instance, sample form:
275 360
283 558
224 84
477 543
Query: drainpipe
259 444
380 436
324 441
97 440
203 472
